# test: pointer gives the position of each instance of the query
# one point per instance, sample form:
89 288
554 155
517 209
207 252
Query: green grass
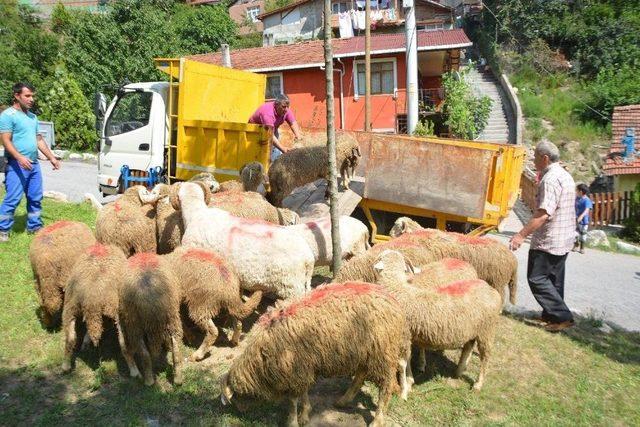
583 377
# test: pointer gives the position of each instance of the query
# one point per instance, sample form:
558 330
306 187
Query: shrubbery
465 114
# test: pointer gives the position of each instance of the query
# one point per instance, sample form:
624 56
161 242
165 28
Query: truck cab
133 132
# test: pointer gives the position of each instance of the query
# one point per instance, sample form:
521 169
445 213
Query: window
430 27
274 86
338 7
253 12
383 77
131 112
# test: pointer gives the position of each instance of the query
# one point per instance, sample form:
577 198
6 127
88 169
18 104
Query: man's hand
24 162
516 241
55 163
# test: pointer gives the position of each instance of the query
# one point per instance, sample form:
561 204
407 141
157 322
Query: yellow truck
194 122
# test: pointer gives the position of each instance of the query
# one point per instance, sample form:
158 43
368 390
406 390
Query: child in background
583 209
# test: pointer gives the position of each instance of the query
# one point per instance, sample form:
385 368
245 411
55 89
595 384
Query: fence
608 208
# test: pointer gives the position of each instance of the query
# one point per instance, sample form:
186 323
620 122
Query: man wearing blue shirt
583 208
19 136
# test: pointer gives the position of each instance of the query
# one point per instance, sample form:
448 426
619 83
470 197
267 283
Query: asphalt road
604 285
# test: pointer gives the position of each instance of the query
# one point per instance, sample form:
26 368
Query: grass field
583 377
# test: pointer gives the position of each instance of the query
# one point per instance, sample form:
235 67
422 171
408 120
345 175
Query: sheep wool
251 177
149 310
443 272
53 253
349 329
92 294
252 205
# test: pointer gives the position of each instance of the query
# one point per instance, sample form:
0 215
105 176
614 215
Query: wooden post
331 141
367 66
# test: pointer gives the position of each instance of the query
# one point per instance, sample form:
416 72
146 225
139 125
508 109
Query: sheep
265 256
92 294
493 261
207 286
456 315
53 253
128 223
149 311
252 205
251 177
304 165
404 225
354 238
349 329
208 179
442 272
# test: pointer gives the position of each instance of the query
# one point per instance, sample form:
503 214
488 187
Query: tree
465 114
64 104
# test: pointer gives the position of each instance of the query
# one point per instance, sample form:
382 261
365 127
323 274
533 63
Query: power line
541 65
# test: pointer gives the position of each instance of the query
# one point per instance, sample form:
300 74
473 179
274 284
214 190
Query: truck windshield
131 112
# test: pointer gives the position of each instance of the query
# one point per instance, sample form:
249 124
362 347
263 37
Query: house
302 19
298 70
243 12
625 172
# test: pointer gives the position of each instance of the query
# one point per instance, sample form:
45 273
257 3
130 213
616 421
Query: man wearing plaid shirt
553 227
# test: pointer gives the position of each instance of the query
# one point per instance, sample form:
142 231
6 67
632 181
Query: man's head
282 104
23 95
582 190
546 153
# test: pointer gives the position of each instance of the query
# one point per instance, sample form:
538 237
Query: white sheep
265 256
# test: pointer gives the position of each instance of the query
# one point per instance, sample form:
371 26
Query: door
128 135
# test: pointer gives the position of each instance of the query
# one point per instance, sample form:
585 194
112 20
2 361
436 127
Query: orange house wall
306 90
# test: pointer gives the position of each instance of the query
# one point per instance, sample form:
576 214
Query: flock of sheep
208 251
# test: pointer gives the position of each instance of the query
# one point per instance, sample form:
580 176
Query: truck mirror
99 105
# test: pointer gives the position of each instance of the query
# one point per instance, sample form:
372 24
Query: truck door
128 136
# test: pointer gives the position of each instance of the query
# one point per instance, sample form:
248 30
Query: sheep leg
353 389
464 357
177 361
70 345
384 396
147 368
85 342
306 409
405 388
237 330
207 342
484 349
131 363
422 359
292 418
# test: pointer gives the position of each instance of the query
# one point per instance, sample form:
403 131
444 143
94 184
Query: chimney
226 55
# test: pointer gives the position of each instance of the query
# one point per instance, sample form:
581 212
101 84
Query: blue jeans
275 153
19 181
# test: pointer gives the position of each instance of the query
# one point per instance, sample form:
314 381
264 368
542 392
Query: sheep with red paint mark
252 176
208 286
442 272
451 316
53 252
128 223
265 256
149 311
92 295
303 165
354 238
338 330
252 205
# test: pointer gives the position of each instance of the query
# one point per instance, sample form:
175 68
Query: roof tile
623 117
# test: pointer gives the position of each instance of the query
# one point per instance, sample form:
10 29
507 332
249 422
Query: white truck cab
133 131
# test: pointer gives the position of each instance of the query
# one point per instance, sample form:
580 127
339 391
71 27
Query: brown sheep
350 329
303 165
149 310
252 205
442 272
251 177
128 223
456 315
53 253
208 285
91 295
492 260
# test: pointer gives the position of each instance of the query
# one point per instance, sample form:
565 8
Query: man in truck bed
273 114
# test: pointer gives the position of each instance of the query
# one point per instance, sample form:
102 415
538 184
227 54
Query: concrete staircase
499 128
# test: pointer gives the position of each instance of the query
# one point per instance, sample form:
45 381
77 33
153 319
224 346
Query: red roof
311 54
623 118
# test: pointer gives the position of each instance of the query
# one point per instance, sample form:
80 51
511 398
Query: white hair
548 148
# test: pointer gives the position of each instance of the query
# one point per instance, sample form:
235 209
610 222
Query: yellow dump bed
209 107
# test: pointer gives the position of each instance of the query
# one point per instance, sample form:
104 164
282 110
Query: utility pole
331 140
412 65
367 66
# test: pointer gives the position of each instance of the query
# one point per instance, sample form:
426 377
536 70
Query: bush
64 105
632 224
424 128
465 114
612 87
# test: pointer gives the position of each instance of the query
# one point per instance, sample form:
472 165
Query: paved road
604 284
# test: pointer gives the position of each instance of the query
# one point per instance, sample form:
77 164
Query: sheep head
288 217
208 179
391 267
148 197
190 190
403 225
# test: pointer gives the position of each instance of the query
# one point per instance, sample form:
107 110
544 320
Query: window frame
127 94
392 59
253 18
281 78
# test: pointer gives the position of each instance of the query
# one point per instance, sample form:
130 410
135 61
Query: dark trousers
545 273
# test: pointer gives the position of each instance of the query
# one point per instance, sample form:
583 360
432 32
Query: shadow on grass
615 342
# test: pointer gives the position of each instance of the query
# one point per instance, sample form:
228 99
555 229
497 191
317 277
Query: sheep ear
403 226
409 268
174 199
358 151
378 266
207 192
